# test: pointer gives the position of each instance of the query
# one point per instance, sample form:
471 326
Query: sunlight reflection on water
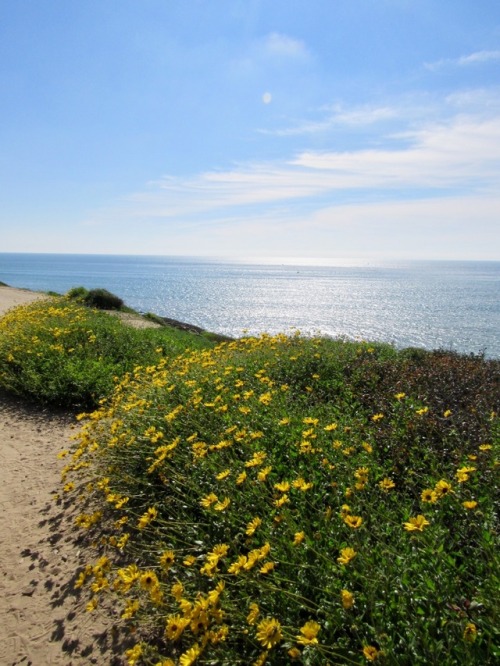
454 305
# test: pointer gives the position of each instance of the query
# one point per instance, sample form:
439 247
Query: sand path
42 619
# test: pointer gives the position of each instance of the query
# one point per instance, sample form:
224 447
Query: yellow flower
264 473
429 495
190 656
177 590
469 504
346 555
266 398
253 614
377 417
470 632
219 635
400 396
222 506
253 525
485 447
422 411
147 517
175 626
298 538
80 581
148 580
416 524
214 595
223 475
302 485
463 473
442 488
156 595
130 610
330 427
387 484
283 487
269 633
129 574
282 500
267 567
284 421
308 420
92 605
167 559
257 459
447 413
362 473
370 652
189 561
353 521
237 566
241 478
308 633
261 659
199 621
347 599
133 655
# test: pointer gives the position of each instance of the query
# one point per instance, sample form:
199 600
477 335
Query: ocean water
431 304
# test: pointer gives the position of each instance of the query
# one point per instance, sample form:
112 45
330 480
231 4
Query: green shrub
77 294
103 300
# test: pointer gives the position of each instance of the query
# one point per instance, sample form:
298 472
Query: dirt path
10 297
43 621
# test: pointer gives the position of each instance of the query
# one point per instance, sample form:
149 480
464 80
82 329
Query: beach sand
43 621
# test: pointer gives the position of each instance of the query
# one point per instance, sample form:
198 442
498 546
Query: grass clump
62 353
286 500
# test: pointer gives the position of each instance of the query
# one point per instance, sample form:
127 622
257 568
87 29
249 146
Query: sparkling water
450 305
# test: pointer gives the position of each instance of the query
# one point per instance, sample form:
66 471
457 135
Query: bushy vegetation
281 500
62 353
101 299
278 500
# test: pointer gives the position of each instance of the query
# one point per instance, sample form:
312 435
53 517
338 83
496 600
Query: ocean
452 305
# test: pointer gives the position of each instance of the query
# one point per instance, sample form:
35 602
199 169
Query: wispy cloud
475 58
439 189
461 155
338 116
479 56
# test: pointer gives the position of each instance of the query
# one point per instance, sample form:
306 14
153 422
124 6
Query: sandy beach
43 621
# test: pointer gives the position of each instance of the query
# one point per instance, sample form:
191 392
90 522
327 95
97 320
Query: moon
267 98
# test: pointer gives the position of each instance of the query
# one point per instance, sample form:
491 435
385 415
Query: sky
263 128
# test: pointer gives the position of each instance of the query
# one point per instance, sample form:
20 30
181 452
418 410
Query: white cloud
462 154
442 181
464 61
450 155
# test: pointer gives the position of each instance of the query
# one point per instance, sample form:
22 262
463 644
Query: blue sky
273 128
